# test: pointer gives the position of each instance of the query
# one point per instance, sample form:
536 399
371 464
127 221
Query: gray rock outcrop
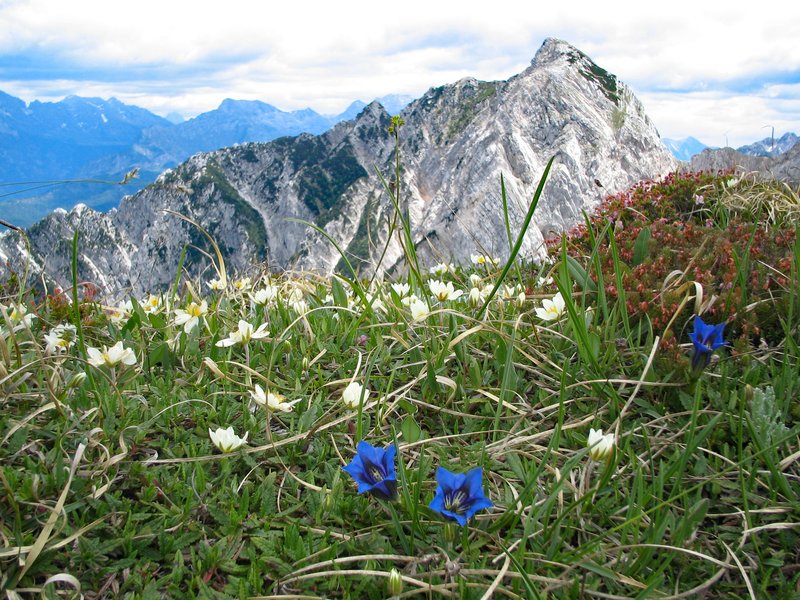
456 143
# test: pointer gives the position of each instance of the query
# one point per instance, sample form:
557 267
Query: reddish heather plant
676 231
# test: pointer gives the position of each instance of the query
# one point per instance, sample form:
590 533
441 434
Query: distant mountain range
457 142
770 146
688 147
43 143
684 149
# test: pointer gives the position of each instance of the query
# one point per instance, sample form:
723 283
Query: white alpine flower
409 300
152 304
551 310
600 446
217 284
18 315
477 296
374 300
419 310
191 316
243 334
226 440
300 307
543 281
274 402
264 296
442 268
351 396
242 284
122 312
111 357
444 291
401 289
60 338
482 259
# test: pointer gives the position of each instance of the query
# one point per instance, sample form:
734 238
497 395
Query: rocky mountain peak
552 50
457 142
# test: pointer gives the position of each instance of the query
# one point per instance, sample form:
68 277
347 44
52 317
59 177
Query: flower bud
327 500
77 380
212 366
395 583
600 446
449 531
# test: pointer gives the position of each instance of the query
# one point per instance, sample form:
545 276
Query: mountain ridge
80 138
457 141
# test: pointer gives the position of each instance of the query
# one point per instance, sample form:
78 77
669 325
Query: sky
706 69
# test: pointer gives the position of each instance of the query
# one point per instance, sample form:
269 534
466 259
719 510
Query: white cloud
697 66
717 119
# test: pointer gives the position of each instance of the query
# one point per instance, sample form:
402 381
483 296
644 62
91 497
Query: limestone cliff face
783 167
456 143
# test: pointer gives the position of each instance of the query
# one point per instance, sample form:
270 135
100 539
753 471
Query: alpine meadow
500 345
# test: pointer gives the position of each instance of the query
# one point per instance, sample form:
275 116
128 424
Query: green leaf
580 275
690 521
641 247
410 430
338 292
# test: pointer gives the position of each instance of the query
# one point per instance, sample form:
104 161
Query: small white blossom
409 300
419 310
600 446
60 338
217 284
242 284
274 402
18 315
152 304
477 296
122 312
551 310
543 281
300 307
243 334
264 296
295 295
401 289
482 259
351 396
226 440
375 301
191 316
442 268
111 357
444 291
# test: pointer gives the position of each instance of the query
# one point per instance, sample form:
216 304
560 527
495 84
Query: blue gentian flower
373 470
706 339
459 496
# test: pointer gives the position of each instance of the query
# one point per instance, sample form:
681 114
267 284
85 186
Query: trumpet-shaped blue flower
459 496
705 338
373 470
